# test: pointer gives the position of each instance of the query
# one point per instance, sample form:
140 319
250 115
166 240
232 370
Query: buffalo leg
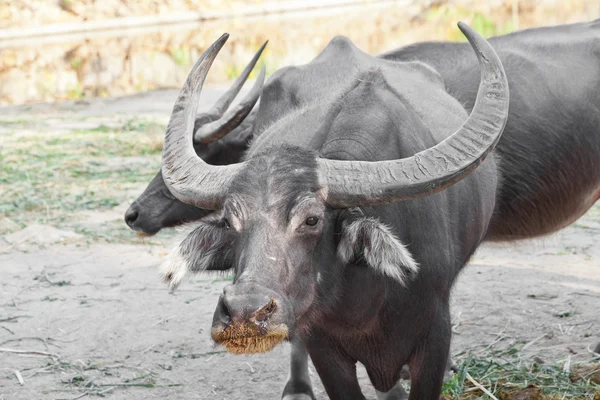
336 369
298 385
451 368
398 391
428 365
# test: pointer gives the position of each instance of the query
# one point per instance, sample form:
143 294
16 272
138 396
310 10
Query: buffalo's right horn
220 120
186 175
366 183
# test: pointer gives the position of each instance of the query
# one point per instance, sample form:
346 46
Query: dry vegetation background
47 68
79 289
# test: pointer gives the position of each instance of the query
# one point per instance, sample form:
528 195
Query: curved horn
362 183
213 125
186 175
215 130
225 101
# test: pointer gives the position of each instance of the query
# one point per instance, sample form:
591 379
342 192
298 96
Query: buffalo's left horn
221 119
186 175
362 183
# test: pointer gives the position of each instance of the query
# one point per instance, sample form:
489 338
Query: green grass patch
446 15
116 232
48 174
181 55
11 123
508 377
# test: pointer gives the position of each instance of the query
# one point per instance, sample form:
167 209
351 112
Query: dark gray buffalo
538 195
362 198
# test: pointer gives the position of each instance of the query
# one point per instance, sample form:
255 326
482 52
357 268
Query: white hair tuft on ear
372 241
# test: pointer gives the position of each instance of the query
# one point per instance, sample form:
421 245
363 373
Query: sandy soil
102 313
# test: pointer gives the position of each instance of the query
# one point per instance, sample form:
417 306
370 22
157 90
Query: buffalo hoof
300 396
298 390
597 349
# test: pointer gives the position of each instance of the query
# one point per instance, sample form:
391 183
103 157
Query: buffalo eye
226 223
312 221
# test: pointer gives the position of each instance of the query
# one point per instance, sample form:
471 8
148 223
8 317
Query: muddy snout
251 319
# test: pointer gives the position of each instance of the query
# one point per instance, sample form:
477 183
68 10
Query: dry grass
52 174
508 377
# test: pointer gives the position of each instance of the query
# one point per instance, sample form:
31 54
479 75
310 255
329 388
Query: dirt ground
97 315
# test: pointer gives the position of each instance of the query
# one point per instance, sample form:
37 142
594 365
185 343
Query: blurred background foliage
485 25
118 61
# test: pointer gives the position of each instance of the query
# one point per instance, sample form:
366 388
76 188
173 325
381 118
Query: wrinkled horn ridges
361 183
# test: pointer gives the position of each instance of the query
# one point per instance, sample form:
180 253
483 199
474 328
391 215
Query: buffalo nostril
131 216
266 311
223 312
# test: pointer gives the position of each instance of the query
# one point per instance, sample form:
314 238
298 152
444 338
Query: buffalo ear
372 242
208 247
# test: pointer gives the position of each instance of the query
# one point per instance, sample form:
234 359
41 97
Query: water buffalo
537 196
221 136
362 198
